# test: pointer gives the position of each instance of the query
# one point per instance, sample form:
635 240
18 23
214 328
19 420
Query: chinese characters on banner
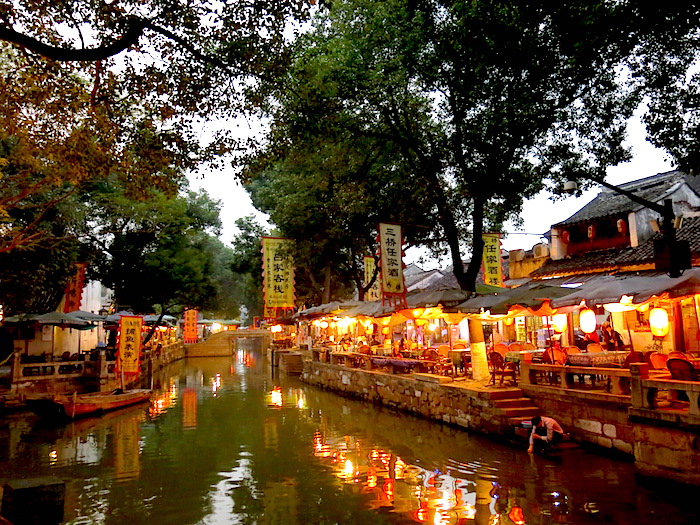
278 277
74 289
129 343
391 264
373 293
493 272
189 327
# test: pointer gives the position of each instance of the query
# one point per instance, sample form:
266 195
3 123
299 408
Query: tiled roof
616 259
608 203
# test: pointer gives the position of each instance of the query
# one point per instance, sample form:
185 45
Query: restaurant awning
532 296
334 307
640 287
368 309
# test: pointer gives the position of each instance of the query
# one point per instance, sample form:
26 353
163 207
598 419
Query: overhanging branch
135 27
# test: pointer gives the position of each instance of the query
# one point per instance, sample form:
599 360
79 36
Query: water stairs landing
513 405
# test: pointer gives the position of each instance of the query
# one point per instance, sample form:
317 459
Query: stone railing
663 399
94 372
650 394
603 380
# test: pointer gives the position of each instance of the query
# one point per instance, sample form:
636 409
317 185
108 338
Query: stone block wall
451 403
600 420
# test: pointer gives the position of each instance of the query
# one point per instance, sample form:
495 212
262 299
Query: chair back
633 357
561 356
681 369
658 360
515 347
459 346
572 350
529 346
594 348
444 351
500 348
365 349
547 357
496 361
431 355
675 354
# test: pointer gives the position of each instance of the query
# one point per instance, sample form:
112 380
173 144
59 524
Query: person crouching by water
546 432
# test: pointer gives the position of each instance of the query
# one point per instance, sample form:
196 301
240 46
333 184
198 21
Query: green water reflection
225 442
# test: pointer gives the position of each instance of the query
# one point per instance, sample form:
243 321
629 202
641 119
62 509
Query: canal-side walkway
662 442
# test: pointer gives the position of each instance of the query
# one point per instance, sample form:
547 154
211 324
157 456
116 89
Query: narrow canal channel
226 442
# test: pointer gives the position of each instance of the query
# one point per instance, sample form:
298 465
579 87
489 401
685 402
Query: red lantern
622 226
565 236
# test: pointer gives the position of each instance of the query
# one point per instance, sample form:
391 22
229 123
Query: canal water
226 441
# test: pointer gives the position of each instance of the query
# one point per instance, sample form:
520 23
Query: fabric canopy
529 296
368 309
87 316
606 289
334 307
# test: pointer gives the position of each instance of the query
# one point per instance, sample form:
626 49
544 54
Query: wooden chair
529 346
365 349
658 360
439 364
681 369
515 347
572 350
459 346
633 357
500 348
444 351
594 348
675 354
501 369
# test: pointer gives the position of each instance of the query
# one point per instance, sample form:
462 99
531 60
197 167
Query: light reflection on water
225 442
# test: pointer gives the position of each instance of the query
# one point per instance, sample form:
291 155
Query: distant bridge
223 343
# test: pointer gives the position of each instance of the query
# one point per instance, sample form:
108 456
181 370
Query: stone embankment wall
659 447
602 420
453 403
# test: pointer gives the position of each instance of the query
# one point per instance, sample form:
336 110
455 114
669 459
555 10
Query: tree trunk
480 364
326 285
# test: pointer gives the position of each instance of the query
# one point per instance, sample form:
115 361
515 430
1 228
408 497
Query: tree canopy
485 103
138 90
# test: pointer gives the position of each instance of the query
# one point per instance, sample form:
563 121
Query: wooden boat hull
80 405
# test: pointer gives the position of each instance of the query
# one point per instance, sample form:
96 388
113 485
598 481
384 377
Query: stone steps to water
515 402
513 405
528 411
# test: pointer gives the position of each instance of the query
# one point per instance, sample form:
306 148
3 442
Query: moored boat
61 406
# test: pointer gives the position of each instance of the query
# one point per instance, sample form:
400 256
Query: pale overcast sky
539 213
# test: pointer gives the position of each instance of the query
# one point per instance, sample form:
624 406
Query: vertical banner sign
129 343
189 327
373 293
74 289
391 263
493 271
278 277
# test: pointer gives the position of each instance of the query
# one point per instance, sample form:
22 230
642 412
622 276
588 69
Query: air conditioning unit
540 251
516 255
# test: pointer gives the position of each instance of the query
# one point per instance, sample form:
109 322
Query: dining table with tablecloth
599 359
